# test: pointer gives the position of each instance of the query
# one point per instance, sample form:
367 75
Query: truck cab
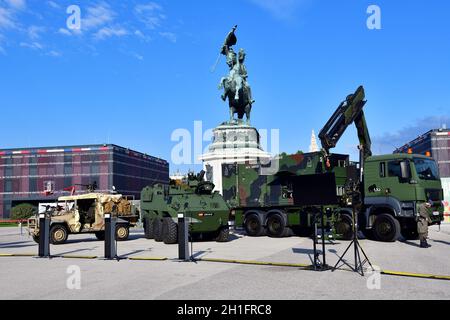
394 187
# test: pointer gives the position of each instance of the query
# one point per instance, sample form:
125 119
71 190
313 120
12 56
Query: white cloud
7 19
151 6
108 32
142 36
34 32
151 14
2 51
172 37
32 45
64 31
54 53
97 16
280 9
137 56
54 5
17 4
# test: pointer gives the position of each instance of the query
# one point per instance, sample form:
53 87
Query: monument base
233 142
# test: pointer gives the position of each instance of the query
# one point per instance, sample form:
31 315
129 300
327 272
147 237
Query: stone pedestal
232 143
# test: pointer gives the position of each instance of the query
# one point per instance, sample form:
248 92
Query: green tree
22 211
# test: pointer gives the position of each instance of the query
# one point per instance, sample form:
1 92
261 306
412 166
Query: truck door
396 180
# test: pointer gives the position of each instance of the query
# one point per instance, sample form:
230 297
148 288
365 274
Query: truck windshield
426 169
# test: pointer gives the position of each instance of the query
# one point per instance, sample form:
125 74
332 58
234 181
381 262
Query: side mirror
405 170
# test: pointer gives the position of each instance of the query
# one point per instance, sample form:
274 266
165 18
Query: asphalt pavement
29 277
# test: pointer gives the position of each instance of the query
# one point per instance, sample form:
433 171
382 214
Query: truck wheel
344 227
276 227
100 235
157 229
386 228
58 234
35 238
122 232
148 228
223 235
169 231
253 225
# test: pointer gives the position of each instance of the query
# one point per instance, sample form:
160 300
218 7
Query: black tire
253 225
148 228
169 231
223 235
276 226
410 233
157 230
35 238
122 232
100 235
386 228
58 234
344 226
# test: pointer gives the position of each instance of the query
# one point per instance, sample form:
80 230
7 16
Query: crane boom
348 112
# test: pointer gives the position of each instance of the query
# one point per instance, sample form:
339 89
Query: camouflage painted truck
390 187
206 211
85 213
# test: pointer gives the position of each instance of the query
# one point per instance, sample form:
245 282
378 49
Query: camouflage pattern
245 188
206 210
85 213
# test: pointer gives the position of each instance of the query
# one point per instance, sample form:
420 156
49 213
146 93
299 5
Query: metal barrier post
110 237
183 238
44 239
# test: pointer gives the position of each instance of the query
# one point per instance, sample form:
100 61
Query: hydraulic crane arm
349 111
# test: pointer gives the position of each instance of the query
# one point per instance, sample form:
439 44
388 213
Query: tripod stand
319 265
358 267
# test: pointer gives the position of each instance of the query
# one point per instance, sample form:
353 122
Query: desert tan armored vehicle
85 214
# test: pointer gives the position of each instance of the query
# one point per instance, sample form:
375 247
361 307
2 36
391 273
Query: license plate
435 213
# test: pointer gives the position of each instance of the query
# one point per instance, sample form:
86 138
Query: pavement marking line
6 255
261 263
148 258
414 275
24 254
74 257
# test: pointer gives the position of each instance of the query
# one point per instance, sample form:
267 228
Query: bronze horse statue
239 98
235 85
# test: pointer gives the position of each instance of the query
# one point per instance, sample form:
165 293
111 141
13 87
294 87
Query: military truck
206 211
390 187
84 213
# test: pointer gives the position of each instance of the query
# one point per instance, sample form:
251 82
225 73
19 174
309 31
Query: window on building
8 171
68 169
33 185
68 182
8 186
95 168
33 171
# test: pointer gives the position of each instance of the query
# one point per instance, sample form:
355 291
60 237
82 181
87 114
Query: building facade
35 175
435 143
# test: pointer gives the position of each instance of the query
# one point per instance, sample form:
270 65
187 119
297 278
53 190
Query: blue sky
138 70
